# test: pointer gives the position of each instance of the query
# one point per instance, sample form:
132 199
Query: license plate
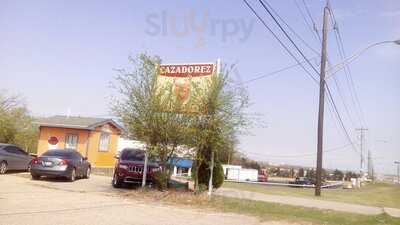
47 163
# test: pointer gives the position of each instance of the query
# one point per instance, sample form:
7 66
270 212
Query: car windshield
58 153
132 155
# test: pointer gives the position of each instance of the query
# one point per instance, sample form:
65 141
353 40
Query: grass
272 211
263 210
379 194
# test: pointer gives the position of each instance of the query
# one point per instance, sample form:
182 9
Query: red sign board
186 70
53 140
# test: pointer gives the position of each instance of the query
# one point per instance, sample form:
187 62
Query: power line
343 147
312 20
271 73
349 77
264 4
339 117
315 70
337 86
306 21
315 31
287 35
279 40
302 54
293 31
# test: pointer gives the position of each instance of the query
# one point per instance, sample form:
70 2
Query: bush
204 174
161 180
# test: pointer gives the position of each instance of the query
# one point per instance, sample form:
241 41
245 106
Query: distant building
182 166
95 138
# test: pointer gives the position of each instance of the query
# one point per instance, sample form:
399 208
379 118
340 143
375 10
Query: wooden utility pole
321 102
362 129
398 171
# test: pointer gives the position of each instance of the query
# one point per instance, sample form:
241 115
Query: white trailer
242 174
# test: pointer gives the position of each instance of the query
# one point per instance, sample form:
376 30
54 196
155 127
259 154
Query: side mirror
85 158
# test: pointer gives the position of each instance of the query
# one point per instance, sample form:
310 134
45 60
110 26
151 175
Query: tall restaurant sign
185 82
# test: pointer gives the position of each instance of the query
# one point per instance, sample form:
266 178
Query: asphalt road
93 201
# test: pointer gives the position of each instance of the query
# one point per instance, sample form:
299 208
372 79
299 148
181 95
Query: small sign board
185 83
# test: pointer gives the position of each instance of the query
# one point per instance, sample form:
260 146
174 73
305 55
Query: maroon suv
129 168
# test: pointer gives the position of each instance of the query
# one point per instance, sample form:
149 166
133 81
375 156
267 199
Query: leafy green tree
16 125
224 118
218 174
338 175
146 112
153 115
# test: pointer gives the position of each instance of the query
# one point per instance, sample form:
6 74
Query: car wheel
3 167
28 169
35 177
72 177
87 175
116 182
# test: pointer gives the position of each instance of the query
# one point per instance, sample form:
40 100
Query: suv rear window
132 155
59 153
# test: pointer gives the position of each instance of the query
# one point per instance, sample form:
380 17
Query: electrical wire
349 77
306 21
343 147
271 73
315 70
268 7
280 41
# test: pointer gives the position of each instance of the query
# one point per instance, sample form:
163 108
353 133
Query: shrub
204 174
161 180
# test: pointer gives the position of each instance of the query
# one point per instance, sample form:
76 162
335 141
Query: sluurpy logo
199 25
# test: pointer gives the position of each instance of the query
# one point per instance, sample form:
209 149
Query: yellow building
95 138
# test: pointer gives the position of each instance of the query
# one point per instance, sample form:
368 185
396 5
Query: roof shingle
76 122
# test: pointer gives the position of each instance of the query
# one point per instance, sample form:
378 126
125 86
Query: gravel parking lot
92 201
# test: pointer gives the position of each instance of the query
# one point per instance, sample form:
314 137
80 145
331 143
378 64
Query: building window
71 141
104 141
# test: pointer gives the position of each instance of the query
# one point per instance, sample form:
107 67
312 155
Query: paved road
312 203
94 201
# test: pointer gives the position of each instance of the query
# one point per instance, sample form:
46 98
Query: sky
61 57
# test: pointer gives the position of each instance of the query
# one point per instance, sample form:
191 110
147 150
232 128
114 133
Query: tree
16 125
223 119
311 173
301 172
218 175
141 106
350 174
154 115
338 175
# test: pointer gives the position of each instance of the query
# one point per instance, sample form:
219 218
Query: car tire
116 181
3 167
87 174
28 169
35 177
72 176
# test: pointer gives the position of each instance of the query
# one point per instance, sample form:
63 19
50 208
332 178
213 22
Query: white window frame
104 142
67 138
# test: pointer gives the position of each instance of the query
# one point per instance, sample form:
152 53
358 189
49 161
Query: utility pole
398 171
321 102
370 166
362 135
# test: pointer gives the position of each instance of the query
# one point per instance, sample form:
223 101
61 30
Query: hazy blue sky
60 55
